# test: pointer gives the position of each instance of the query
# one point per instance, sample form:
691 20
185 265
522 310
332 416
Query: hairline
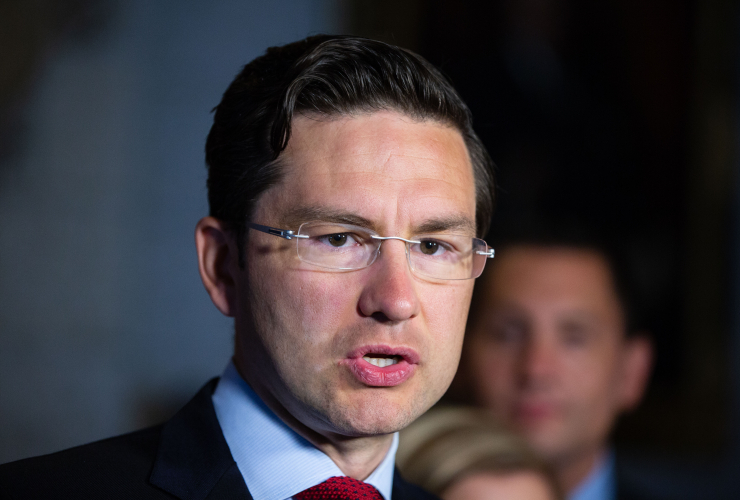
627 331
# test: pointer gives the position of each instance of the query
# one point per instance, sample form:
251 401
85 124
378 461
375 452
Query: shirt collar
274 460
600 483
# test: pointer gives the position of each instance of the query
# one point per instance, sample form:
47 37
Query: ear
217 262
637 362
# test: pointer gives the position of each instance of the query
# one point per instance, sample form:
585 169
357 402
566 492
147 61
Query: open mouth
382 365
381 360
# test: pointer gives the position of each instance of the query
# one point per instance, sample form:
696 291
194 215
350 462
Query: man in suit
346 190
552 350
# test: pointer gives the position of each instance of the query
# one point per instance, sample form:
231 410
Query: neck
572 472
356 457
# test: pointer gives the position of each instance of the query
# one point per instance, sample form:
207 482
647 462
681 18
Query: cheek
492 370
591 386
589 373
320 300
445 312
296 312
299 329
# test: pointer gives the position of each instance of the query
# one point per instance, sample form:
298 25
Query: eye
340 240
429 247
509 333
575 334
337 240
435 247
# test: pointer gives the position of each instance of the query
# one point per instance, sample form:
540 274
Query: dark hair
570 233
328 75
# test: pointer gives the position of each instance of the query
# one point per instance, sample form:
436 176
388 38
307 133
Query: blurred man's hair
568 233
325 76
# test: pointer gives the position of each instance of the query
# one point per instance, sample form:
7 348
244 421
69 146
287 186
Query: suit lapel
193 460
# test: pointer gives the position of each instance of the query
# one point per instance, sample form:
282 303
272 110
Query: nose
389 294
538 362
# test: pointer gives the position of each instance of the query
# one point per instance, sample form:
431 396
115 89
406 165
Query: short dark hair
577 234
327 75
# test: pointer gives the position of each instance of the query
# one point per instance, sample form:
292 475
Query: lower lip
375 376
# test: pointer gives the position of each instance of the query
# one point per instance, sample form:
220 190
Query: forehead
383 166
552 279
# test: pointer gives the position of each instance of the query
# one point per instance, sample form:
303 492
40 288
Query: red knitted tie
340 488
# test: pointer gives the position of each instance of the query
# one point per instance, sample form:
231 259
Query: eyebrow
444 224
301 214
298 215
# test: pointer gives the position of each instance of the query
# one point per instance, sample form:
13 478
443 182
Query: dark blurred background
620 113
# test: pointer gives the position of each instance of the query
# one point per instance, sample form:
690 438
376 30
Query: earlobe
217 262
637 365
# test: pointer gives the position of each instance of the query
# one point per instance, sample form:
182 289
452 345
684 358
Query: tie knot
340 488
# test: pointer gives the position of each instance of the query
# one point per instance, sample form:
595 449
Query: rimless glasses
345 247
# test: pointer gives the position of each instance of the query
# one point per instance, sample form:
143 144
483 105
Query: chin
375 416
545 441
367 428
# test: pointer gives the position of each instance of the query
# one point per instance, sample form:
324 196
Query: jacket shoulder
186 457
116 467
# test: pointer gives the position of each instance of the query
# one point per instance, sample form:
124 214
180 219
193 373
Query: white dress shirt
274 460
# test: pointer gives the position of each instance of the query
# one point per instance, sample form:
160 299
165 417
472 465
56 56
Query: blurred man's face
317 341
548 354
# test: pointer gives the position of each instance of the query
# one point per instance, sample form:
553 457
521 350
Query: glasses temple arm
488 253
283 233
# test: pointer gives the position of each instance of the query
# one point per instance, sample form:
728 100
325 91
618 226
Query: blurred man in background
550 350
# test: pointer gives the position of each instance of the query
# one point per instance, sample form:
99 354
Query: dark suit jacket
185 458
630 487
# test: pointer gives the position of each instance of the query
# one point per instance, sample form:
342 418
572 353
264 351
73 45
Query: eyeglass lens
348 247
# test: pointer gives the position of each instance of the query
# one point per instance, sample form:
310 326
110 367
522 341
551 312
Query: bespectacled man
347 190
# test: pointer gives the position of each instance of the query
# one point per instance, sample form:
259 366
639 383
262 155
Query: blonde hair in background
449 443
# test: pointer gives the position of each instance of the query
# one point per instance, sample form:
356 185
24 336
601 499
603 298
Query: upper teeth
380 362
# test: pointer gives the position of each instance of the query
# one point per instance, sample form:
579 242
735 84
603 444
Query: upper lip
406 353
536 406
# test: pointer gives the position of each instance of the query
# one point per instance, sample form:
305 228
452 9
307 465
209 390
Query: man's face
547 352
302 331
